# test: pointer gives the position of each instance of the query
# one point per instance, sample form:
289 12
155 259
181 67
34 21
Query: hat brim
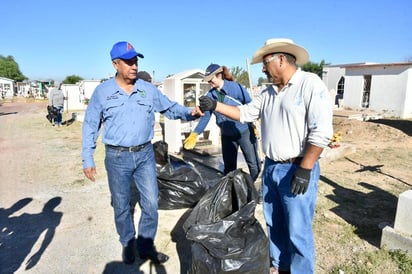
209 77
300 53
130 55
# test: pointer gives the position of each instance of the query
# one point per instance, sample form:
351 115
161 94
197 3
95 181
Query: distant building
384 88
77 95
7 87
185 88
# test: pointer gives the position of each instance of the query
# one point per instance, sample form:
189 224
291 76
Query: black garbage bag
225 235
52 113
180 183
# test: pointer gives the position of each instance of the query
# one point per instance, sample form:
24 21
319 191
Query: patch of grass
347 234
79 182
403 261
380 261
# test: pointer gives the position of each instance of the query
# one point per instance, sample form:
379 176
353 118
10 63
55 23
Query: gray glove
207 103
300 181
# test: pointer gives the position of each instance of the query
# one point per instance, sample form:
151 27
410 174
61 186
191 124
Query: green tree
10 69
314 67
240 75
72 79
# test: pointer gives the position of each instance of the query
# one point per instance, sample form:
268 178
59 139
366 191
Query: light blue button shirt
127 119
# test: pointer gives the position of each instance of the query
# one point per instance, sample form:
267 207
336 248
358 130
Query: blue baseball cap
124 50
211 70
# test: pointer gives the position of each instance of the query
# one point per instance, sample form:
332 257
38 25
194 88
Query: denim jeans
139 167
248 144
289 217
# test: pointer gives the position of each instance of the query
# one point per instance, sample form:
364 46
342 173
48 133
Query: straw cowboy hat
281 45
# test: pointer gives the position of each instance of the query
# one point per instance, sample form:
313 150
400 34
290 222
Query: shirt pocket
145 108
113 109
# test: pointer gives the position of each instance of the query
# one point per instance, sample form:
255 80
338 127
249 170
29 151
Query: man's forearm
232 112
312 154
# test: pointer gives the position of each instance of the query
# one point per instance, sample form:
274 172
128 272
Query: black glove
300 181
206 103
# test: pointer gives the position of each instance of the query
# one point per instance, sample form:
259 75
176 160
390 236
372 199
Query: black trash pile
224 233
180 183
52 113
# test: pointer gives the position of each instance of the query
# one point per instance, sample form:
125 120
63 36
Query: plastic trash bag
180 183
52 113
225 235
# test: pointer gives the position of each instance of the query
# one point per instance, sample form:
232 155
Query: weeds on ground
380 261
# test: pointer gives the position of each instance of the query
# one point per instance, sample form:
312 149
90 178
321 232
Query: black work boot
147 250
128 253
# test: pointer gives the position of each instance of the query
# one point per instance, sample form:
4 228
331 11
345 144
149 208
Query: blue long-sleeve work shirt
232 93
127 119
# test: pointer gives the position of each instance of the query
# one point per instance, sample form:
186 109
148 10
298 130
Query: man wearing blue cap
125 106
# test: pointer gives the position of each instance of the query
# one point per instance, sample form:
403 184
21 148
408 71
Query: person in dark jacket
56 102
144 75
233 133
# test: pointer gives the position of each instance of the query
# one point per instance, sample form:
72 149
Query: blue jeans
289 217
124 167
59 116
248 144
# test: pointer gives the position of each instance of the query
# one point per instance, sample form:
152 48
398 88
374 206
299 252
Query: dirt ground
358 192
55 221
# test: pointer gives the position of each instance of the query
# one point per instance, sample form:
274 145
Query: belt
295 160
129 149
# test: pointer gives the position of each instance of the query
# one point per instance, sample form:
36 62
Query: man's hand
197 112
90 172
207 104
300 181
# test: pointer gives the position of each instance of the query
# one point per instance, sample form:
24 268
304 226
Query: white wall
73 98
76 93
87 87
7 87
352 96
173 129
388 88
331 77
388 93
391 87
407 109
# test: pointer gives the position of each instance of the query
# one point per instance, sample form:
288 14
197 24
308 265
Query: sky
52 39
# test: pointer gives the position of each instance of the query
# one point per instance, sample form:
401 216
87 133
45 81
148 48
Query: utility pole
248 73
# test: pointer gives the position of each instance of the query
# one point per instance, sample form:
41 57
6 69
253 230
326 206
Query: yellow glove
190 141
255 130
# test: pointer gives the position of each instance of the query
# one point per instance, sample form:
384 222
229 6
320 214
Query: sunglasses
267 61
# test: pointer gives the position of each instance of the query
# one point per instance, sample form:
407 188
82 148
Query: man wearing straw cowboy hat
296 125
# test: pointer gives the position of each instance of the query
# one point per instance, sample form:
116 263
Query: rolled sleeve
320 116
